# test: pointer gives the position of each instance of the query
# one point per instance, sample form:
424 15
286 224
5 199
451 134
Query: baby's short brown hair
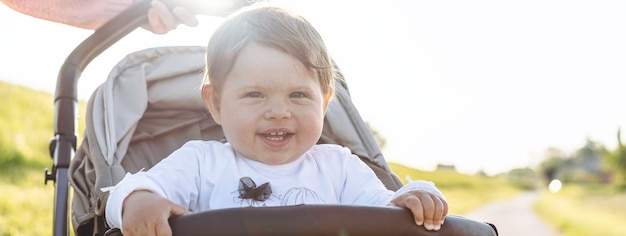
270 26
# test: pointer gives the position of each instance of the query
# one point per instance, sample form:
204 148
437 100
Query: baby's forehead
241 79
260 57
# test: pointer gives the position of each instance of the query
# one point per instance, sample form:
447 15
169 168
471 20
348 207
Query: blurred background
488 99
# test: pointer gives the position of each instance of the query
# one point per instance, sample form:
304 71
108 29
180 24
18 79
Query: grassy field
26 207
585 211
25 118
26 125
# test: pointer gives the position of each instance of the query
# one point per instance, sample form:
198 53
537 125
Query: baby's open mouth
276 136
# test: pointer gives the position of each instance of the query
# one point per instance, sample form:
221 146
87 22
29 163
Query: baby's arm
138 207
147 213
426 202
172 181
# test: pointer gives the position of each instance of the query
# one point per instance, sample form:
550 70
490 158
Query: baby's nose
278 110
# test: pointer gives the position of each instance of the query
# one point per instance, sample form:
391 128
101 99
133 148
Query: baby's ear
327 98
212 102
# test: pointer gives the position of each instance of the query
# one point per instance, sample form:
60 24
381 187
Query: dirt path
514 216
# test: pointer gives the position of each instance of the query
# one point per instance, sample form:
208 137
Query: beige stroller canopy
151 104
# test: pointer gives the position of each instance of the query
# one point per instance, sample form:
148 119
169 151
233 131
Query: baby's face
271 108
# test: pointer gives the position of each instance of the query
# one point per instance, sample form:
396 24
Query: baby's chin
276 160
272 155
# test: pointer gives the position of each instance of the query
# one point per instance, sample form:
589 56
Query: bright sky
484 85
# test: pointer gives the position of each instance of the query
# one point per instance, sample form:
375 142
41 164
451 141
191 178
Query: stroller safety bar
317 220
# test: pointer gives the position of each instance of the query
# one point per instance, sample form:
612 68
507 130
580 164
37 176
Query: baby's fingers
431 211
427 208
162 228
444 210
435 209
177 210
440 210
414 204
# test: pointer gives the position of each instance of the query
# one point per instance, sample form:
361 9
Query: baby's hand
427 207
147 213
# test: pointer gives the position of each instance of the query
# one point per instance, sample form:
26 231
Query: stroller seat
151 104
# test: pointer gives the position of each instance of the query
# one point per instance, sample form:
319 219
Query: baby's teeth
275 138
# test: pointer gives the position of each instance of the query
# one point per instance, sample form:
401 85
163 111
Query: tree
554 161
586 164
525 178
617 158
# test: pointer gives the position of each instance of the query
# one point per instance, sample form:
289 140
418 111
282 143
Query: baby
268 82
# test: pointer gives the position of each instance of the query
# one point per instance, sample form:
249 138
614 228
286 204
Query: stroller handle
316 220
63 144
118 27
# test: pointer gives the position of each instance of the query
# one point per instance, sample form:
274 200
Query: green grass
585 210
26 118
463 192
26 208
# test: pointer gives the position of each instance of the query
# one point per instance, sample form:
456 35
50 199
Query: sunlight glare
555 185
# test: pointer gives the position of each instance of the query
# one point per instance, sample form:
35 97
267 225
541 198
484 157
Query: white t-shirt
205 175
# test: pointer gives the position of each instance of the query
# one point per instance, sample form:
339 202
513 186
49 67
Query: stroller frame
63 146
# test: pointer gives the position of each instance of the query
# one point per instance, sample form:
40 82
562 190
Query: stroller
135 119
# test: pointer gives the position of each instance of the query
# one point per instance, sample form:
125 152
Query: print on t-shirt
251 195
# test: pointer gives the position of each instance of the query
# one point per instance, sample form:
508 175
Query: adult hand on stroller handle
162 18
221 8
127 21
166 15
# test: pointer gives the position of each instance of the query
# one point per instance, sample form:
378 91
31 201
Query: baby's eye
297 95
253 95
